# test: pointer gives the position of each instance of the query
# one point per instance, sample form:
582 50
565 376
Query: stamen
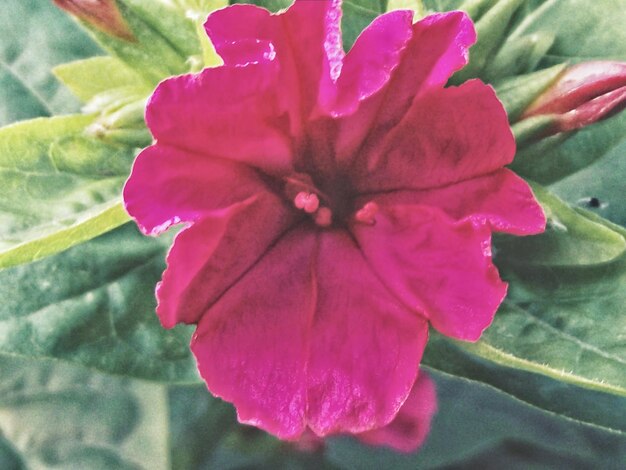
367 214
306 201
324 217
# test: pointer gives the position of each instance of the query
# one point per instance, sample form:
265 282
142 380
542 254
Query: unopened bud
585 93
102 14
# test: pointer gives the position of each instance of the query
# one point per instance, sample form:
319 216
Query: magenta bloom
335 205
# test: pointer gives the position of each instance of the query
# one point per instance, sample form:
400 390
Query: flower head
335 205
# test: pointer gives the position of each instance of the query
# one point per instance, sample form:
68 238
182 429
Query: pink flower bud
102 14
585 93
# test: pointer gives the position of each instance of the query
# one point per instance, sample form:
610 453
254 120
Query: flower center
332 205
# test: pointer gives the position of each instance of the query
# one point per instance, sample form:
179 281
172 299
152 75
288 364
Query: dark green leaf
582 404
95 305
36 36
564 313
357 14
478 426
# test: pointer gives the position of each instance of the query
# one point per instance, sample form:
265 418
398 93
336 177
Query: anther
367 213
323 217
307 202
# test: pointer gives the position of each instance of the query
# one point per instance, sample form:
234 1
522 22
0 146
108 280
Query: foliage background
88 379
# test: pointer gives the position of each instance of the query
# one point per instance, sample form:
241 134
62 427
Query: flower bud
102 14
585 93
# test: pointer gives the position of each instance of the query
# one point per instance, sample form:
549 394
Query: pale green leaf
89 77
55 416
57 187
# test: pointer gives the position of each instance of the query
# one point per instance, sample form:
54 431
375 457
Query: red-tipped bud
102 14
585 93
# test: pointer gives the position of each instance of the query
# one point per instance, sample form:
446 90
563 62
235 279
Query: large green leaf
58 187
36 36
564 315
94 305
55 416
600 409
478 426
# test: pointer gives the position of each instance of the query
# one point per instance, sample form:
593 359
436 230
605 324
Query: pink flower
334 206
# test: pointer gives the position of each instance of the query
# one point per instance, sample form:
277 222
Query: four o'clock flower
335 205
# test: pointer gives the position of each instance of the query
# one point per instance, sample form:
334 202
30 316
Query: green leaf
357 15
600 186
57 187
570 239
570 21
164 39
271 5
557 157
416 5
36 36
478 426
90 77
490 30
94 305
589 406
518 92
56 416
564 313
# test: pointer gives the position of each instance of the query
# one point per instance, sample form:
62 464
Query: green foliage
57 416
478 426
87 78
57 187
94 305
35 37
545 386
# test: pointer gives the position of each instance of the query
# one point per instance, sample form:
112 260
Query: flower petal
447 136
369 65
436 48
365 345
307 43
252 345
410 428
314 351
502 199
168 186
439 268
231 112
208 257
